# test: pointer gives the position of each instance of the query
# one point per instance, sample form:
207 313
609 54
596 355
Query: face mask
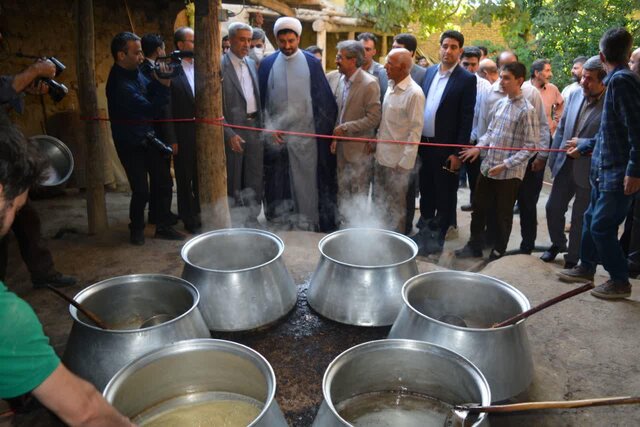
256 53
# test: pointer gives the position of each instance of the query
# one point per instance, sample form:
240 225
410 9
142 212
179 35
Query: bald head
488 70
399 63
506 57
634 61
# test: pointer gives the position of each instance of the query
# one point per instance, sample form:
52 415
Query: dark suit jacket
182 106
418 74
566 130
454 117
234 105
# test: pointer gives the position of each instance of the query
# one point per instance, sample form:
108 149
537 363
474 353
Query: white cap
287 23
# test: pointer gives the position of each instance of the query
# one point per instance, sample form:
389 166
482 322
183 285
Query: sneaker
576 274
452 233
137 237
612 290
494 255
57 280
466 208
168 233
468 252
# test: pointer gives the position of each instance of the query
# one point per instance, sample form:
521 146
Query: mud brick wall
472 34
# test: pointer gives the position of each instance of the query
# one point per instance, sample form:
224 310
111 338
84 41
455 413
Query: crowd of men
335 138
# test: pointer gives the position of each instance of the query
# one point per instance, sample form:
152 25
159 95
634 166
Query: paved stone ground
582 348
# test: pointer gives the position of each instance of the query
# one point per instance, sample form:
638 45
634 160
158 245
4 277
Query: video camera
150 140
57 91
173 62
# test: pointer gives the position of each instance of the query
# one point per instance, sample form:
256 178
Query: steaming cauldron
126 303
502 354
397 383
360 275
241 277
196 372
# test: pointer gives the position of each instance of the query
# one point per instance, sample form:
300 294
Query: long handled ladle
459 413
537 308
90 315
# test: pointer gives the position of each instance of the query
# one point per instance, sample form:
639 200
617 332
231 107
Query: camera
150 140
57 91
173 62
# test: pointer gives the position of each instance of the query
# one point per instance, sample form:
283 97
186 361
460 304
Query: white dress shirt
402 120
187 67
244 77
434 96
483 88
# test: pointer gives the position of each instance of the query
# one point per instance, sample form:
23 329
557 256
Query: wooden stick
537 308
95 319
561 404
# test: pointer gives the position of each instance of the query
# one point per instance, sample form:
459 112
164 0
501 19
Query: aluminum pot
60 159
124 303
360 275
195 371
241 277
403 366
502 354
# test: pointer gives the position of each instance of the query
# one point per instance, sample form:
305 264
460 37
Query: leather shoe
137 237
57 280
494 255
168 233
466 208
568 265
468 252
193 228
551 253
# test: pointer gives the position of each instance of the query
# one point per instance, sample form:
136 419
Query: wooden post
321 42
383 49
96 205
212 163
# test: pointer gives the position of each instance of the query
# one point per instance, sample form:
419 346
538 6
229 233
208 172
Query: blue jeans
600 245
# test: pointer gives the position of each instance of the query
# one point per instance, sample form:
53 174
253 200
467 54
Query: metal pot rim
65 150
405 239
183 346
187 246
396 343
521 298
133 278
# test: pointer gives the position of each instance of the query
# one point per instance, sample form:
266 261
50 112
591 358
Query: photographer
133 101
26 226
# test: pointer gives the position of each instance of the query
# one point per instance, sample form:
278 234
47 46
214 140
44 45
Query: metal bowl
360 275
241 277
502 354
403 368
196 371
60 159
127 304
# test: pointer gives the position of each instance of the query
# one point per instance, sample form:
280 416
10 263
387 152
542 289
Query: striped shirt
514 125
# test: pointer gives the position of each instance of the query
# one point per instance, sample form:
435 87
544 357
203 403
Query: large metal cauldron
241 277
405 367
60 159
502 354
124 304
360 275
195 371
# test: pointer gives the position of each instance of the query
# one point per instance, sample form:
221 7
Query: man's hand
338 131
631 185
497 170
333 146
164 68
573 153
572 143
370 147
278 137
236 144
470 154
37 88
538 164
174 147
44 68
454 163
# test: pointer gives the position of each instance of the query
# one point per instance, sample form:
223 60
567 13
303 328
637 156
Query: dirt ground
583 348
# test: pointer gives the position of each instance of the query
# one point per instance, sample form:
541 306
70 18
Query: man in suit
581 119
358 99
244 148
369 41
182 135
450 93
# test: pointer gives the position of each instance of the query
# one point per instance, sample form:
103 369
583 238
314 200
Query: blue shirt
131 96
616 147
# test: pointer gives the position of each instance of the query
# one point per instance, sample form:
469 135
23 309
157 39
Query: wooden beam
85 39
279 6
212 163
321 42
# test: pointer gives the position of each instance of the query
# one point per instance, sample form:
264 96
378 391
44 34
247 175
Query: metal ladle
459 413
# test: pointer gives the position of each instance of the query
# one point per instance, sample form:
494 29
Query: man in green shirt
28 364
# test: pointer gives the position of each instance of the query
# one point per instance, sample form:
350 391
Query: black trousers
186 169
528 196
160 189
27 229
630 239
494 197
438 189
143 167
472 170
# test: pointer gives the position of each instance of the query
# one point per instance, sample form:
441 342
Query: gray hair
353 49
238 26
258 34
594 64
